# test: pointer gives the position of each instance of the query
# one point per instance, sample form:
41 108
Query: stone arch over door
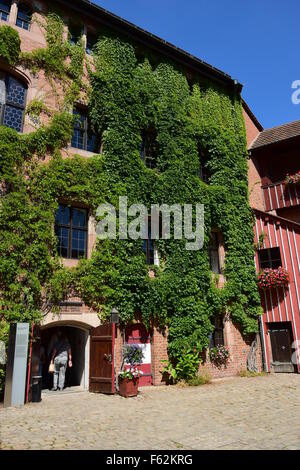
78 334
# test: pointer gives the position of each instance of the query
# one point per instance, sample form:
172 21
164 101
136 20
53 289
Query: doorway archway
79 339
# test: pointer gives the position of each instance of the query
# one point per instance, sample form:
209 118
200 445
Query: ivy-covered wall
126 95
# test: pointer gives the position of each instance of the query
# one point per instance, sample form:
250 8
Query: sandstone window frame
65 228
82 126
7 101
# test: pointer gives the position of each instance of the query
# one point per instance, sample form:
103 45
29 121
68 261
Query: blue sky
255 41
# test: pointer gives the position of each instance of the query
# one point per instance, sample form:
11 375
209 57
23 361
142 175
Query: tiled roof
276 134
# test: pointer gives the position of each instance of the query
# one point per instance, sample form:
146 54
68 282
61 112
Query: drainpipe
263 346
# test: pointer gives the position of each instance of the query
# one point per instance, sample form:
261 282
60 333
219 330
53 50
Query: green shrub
9 44
201 379
186 367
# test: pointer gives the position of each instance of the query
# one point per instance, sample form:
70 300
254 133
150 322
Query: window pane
15 92
77 139
79 119
13 118
269 258
218 337
92 144
150 257
4 9
62 216
90 43
213 241
2 88
214 261
79 218
78 243
24 16
5 5
62 235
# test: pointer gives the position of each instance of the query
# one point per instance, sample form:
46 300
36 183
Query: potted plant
271 278
293 179
130 374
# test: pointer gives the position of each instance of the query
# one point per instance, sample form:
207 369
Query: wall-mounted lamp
114 316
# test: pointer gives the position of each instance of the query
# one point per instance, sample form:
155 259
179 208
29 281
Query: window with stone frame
71 230
5 6
12 101
217 337
24 16
148 245
83 136
204 173
74 33
91 41
148 149
214 252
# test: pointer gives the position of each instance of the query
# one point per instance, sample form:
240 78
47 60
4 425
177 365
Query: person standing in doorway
61 357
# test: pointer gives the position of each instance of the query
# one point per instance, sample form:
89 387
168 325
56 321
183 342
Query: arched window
4 9
24 16
12 101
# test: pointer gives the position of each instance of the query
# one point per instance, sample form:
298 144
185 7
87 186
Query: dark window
148 245
269 258
71 231
213 250
217 337
4 9
148 148
204 173
83 136
91 40
24 16
12 102
75 33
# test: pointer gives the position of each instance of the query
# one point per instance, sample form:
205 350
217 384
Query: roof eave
144 37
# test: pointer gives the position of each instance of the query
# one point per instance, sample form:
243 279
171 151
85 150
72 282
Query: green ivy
126 96
9 45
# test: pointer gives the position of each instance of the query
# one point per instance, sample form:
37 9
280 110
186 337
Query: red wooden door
102 378
137 334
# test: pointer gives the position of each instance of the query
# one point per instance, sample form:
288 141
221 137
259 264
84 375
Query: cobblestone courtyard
239 413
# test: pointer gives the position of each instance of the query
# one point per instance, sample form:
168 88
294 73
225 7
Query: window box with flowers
130 374
271 278
293 179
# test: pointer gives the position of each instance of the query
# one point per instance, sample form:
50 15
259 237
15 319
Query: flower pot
128 387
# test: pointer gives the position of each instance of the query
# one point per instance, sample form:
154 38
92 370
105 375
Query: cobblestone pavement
239 413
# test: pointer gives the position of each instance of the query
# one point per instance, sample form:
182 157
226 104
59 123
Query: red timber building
273 153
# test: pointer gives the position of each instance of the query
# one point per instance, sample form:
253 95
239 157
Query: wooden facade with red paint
281 306
280 195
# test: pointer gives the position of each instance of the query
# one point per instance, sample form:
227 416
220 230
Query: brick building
80 322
